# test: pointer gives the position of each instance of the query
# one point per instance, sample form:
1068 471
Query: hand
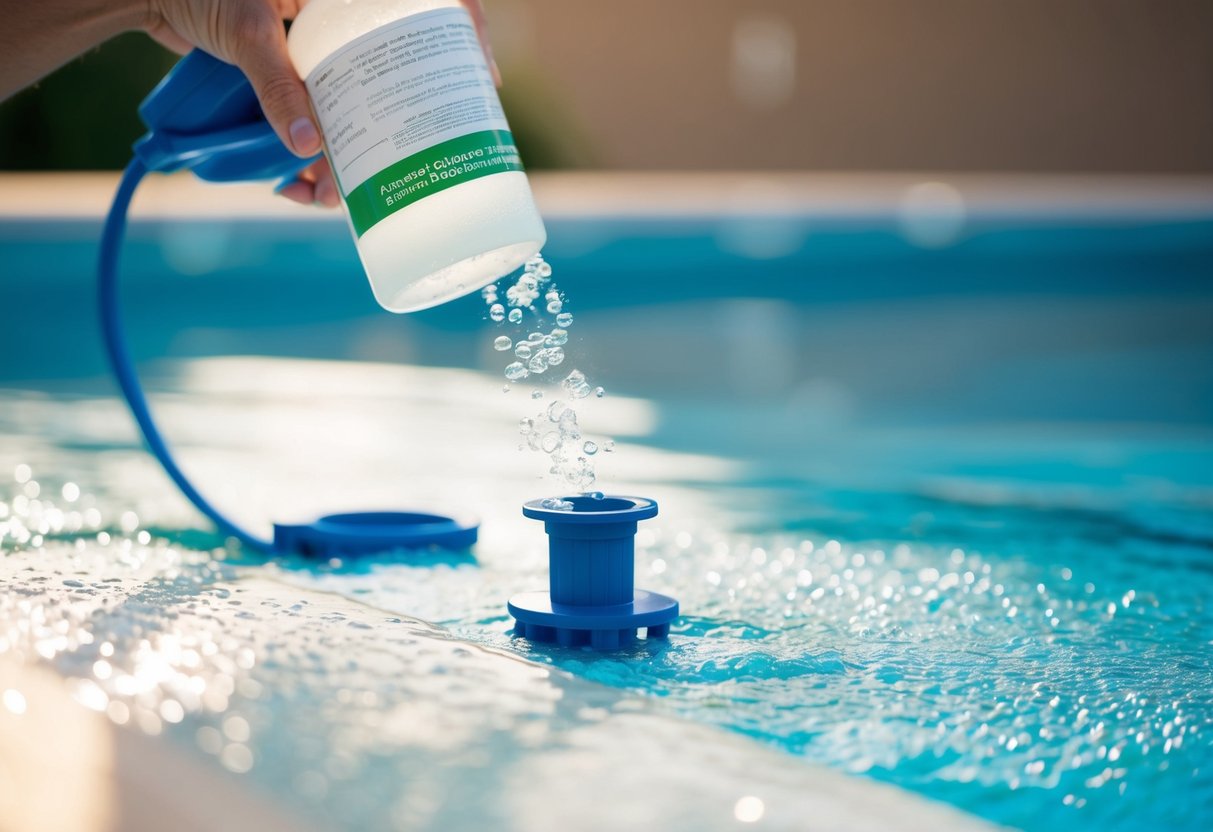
250 34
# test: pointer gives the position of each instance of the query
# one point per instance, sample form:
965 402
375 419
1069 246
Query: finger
476 10
298 191
260 50
326 184
169 39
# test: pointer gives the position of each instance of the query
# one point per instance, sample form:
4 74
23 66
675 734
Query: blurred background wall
979 85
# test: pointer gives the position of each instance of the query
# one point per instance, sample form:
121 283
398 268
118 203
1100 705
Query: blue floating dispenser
592 599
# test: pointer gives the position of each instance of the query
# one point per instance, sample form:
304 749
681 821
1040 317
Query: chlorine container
591 598
423 157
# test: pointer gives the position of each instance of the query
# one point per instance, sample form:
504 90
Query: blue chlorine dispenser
204 117
591 599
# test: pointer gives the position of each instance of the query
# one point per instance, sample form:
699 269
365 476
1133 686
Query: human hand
251 35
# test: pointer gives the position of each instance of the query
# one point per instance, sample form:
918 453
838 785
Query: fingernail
304 136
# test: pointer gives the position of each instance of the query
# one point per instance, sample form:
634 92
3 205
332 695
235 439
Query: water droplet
555 356
515 316
489 293
608 446
538 362
559 337
523 351
599 392
536 394
590 447
554 306
564 319
551 441
497 312
555 409
516 371
502 343
576 385
556 504
596 495
543 269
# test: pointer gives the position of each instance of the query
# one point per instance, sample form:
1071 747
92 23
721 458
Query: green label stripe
432 170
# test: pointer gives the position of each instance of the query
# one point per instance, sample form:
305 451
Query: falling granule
561 437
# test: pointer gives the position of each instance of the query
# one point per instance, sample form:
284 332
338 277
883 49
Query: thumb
260 51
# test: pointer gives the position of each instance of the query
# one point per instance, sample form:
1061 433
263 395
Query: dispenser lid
368 532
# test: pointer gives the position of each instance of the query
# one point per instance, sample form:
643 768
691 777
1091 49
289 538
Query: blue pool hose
591 599
204 116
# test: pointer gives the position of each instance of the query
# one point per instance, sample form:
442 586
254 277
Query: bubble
559 337
608 446
590 447
543 269
551 441
599 392
554 306
505 388
555 356
515 316
489 293
556 504
502 343
526 425
564 319
497 312
536 394
516 371
523 351
538 362
595 495
555 409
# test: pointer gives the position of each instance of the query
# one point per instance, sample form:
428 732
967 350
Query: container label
409 110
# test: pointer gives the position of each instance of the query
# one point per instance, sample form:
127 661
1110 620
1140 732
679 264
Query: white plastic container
436 197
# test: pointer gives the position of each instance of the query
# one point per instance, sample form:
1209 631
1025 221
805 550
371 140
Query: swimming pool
939 513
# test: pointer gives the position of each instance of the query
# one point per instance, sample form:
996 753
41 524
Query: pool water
972 564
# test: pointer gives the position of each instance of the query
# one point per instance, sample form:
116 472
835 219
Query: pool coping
641 194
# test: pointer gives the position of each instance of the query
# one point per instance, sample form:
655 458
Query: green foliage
83 116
